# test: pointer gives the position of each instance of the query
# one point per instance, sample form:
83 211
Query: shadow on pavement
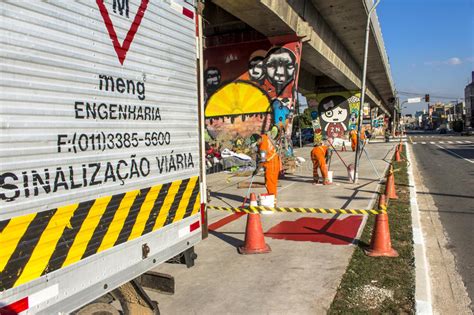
442 194
235 242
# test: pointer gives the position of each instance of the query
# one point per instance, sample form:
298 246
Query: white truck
100 150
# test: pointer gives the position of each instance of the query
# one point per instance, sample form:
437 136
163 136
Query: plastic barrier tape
259 209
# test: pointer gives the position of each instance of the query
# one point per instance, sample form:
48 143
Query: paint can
330 176
267 200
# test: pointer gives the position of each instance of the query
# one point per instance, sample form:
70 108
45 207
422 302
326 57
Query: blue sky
430 44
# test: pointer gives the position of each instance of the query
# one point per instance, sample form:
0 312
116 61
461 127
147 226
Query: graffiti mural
333 114
251 87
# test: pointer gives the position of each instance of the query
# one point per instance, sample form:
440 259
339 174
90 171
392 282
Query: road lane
448 172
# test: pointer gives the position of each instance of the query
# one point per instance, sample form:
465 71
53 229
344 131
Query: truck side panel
99 145
40 243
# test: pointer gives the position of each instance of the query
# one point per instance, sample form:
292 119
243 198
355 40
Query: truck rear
99 147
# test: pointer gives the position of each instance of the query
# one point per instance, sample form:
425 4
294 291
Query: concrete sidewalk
310 252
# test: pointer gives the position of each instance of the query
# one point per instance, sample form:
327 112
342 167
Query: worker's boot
315 180
327 182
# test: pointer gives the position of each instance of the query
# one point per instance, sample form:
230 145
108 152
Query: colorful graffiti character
334 111
255 92
256 71
280 114
353 120
212 80
280 68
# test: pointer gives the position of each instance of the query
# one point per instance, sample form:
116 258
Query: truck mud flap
187 257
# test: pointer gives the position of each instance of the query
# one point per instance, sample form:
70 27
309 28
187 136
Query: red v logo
122 49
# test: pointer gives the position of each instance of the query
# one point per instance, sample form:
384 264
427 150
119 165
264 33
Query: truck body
99 146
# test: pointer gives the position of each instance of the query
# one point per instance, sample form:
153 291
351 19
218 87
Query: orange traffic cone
343 148
254 239
397 155
390 191
253 200
380 244
400 147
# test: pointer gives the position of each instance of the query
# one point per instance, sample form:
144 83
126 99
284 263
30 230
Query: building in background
469 98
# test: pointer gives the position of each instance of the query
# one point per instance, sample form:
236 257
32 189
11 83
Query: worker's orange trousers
272 171
322 168
353 143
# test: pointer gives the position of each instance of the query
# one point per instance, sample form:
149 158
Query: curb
422 278
390 141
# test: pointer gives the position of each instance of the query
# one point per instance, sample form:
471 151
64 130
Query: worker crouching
318 156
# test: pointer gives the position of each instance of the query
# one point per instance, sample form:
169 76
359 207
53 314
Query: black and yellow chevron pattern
253 209
39 243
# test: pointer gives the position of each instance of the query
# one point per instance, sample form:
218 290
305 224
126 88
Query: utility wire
431 96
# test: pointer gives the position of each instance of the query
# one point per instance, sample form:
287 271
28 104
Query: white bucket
330 175
350 172
267 200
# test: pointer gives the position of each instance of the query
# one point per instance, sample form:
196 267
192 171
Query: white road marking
459 142
431 142
450 142
462 157
423 288
413 143
283 188
441 142
467 141
423 143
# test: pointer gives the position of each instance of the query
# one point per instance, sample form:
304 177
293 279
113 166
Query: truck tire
98 309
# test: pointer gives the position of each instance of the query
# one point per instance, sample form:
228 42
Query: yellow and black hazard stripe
39 243
253 209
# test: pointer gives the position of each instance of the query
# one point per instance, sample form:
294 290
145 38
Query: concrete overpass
333 33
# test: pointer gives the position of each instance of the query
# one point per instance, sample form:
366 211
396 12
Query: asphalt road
446 163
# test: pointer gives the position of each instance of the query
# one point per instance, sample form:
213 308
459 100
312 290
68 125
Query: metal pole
362 99
202 123
299 117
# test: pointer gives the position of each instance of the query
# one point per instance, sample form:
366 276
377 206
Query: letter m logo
121 6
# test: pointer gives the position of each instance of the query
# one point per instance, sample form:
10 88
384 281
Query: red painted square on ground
332 231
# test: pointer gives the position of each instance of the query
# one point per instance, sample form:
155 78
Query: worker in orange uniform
270 160
353 136
318 156
363 134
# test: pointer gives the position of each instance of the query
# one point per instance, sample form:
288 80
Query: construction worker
353 136
318 156
270 160
363 135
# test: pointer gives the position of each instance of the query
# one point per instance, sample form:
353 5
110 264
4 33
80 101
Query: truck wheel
98 309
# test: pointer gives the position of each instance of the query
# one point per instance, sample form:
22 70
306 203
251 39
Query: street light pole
362 94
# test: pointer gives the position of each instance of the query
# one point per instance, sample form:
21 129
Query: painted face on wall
280 67
212 79
334 113
256 72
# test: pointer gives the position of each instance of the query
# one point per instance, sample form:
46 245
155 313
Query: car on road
307 136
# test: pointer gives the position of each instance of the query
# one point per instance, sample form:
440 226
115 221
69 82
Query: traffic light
427 98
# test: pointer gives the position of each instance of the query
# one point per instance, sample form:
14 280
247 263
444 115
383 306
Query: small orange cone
390 191
343 148
253 200
397 155
254 239
380 244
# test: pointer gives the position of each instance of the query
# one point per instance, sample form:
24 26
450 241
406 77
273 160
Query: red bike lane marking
331 231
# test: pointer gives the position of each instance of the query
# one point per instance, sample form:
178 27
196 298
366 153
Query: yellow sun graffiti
237 98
